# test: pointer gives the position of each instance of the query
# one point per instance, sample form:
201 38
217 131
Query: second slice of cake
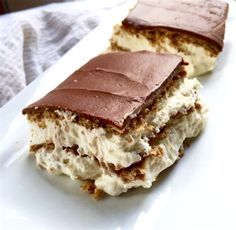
118 121
193 29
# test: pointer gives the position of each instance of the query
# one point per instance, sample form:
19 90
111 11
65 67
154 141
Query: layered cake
193 29
118 121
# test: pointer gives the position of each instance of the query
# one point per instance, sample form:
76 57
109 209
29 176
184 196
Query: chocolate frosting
112 86
201 18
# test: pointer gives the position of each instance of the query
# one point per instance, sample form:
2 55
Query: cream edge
184 127
198 58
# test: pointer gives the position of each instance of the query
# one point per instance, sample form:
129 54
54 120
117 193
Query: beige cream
86 167
199 59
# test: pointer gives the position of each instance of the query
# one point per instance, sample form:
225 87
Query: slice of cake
193 29
118 121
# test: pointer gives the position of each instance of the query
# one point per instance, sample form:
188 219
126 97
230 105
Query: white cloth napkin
32 40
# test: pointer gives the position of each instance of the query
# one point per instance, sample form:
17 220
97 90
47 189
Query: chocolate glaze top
112 86
202 18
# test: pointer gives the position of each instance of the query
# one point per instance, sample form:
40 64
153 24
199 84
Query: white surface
196 193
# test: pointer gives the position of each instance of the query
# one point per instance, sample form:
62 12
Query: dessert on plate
118 121
193 29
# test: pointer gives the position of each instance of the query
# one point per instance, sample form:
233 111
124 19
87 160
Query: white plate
196 193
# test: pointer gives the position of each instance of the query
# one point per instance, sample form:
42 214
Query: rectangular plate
198 192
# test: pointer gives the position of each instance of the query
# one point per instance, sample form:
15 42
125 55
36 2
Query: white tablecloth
32 40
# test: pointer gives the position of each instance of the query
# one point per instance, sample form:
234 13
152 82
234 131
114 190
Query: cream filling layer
121 151
200 60
86 167
185 127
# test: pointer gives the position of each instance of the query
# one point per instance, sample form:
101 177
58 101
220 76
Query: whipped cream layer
110 148
187 126
198 58
87 167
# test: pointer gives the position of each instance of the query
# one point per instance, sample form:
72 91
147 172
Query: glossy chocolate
202 18
112 86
